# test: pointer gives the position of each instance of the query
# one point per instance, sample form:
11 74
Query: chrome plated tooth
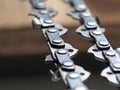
109 75
73 14
98 54
49 58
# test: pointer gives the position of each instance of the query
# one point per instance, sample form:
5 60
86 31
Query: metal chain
61 52
101 49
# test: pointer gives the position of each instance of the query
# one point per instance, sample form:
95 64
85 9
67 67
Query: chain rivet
110 53
62 51
116 65
103 43
52 30
81 6
74 75
57 41
97 32
48 21
80 88
43 11
86 14
68 63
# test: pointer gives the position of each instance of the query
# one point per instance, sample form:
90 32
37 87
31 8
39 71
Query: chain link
101 48
61 52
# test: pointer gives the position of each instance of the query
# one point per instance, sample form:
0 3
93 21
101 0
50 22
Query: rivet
62 51
52 30
82 6
103 43
86 14
68 63
80 88
41 4
73 75
97 32
57 41
43 11
116 65
48 21
110 53
92 23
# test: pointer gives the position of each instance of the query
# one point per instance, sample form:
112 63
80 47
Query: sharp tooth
98 54
85 33
48 58
108 74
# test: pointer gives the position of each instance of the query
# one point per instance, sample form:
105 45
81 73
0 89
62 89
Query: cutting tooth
52 12
73 14
103 30
85 33
83 73
61 29
109 75
48 58
72 51
98 54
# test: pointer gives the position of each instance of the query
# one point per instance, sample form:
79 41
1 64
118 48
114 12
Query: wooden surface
14 13
17 36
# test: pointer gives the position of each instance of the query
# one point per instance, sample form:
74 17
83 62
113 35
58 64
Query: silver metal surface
41 4
47 24
62 51
73 75
68 63
81 88
97 32
48 58
103 43
91 23
109 75
67 47
86 14
52 30
43 11
73 14
36 12
110 53
83 74
81 30
85 33
48 21
82 6
62 30
116 65
57 41
118 51
101 48
98 54
59 28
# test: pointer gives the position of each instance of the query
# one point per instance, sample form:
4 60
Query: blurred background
22 50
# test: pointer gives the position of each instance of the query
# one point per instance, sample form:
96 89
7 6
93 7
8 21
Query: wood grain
17 36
